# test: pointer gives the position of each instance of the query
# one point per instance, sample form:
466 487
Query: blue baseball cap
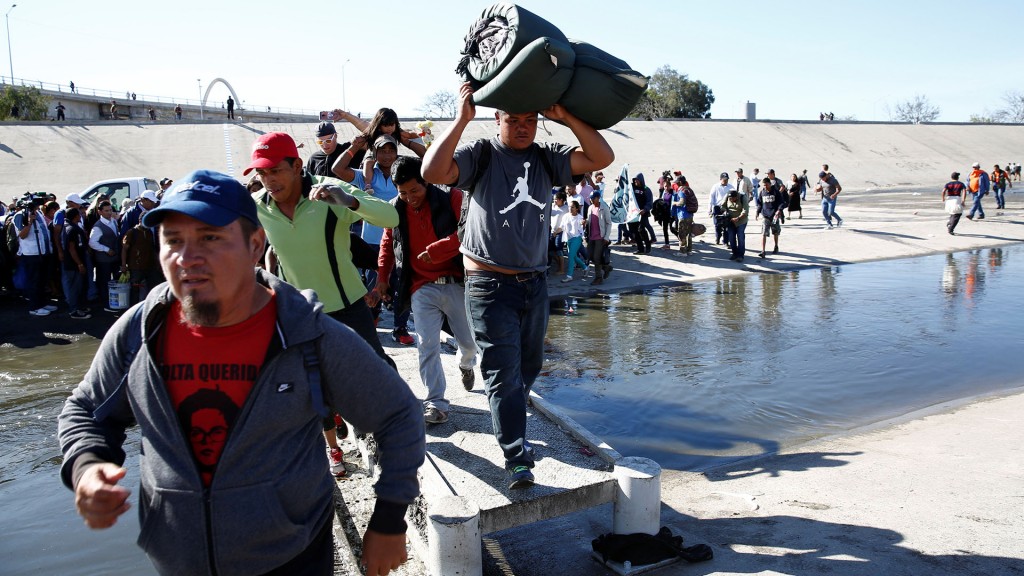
211 197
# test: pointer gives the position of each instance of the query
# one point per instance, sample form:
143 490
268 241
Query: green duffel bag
500 33
604 89
532 81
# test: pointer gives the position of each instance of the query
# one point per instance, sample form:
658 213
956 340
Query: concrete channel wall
66 158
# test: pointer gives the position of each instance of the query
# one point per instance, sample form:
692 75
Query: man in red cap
311 240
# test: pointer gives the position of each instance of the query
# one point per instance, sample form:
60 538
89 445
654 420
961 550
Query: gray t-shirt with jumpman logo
507 222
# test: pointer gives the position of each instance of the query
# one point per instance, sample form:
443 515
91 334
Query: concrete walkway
939 491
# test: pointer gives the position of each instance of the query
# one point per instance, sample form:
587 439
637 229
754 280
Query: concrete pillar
637 496
453 537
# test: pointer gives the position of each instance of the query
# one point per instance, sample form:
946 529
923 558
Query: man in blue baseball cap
228 385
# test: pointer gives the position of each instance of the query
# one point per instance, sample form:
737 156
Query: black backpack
690 200
660 211
643 549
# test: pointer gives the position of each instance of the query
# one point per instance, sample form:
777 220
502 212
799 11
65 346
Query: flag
622 198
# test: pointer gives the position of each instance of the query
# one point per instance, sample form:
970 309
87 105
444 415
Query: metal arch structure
213 83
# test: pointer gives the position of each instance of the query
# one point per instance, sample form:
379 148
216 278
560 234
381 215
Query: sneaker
969 217
839 222
468 378
982 217
39 312
80 315
733 257
607 270
434 416
829 225
567 279
521 478
50 308
337 458
401 335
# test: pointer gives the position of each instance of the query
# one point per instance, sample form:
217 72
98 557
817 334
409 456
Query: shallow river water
698 376
691 377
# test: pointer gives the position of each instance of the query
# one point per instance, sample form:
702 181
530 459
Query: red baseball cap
270 149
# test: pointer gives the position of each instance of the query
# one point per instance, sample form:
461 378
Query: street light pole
200 82
344 104
10 58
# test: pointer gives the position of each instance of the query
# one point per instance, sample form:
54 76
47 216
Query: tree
1013 112
916 111
31 103
673 95
440 104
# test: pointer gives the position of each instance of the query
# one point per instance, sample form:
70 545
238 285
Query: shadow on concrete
773 465
256 131
9 150
806 547
779 544
889 234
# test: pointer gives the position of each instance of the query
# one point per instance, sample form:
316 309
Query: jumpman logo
522 191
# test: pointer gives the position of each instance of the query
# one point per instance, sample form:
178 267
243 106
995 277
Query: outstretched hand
98 498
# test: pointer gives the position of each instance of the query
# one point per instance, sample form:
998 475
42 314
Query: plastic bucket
118 295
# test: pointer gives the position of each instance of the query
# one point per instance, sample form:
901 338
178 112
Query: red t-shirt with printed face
209 373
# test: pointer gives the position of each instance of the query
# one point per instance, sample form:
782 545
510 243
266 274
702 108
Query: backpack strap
312 363
136 338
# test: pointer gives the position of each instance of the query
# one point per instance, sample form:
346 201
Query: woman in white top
572 233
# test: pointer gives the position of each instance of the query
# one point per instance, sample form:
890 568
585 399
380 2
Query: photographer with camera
34 246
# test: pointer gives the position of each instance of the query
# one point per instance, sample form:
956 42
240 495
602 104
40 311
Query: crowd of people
72 254
445 239
462 237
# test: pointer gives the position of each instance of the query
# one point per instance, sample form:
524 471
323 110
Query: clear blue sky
793 58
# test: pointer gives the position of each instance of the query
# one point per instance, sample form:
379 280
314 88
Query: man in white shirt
105 243
34 245
558 209
717 197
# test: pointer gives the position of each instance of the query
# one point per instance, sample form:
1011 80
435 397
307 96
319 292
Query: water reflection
699 375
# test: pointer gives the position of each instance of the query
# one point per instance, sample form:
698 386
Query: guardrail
125 97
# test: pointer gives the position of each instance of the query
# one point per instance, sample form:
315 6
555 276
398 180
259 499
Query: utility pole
10 58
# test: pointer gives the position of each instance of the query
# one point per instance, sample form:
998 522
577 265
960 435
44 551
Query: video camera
32 200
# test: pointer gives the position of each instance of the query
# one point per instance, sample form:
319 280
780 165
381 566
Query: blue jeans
736 237
999 192
73 283
574 256
35 285
976 206
828 210
359 318
509 317
431 304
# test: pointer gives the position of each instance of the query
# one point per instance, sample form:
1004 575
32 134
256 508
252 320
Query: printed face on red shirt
210 267
208 432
